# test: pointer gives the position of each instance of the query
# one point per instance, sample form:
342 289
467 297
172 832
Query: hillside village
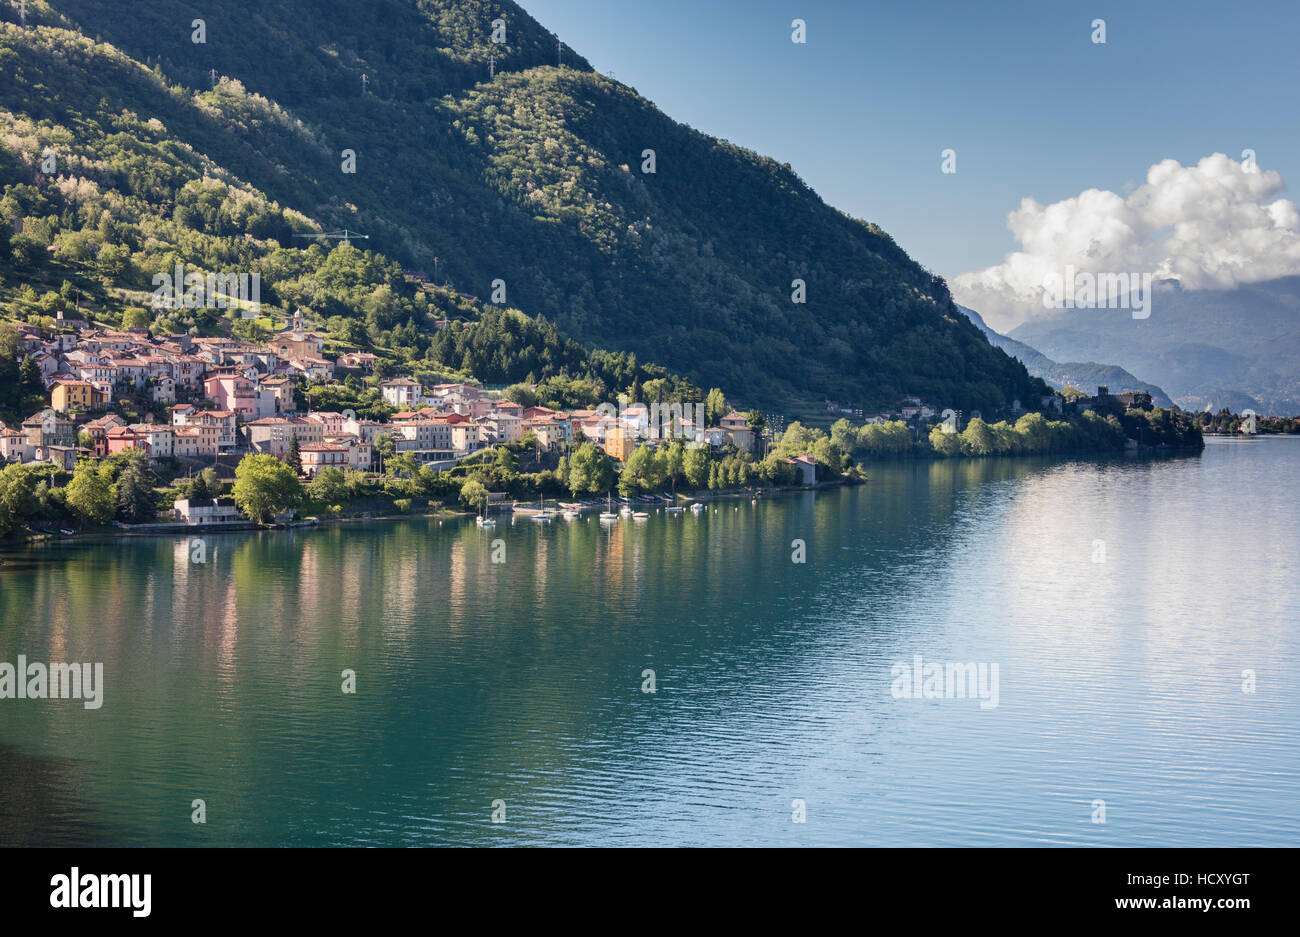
188 404
208 401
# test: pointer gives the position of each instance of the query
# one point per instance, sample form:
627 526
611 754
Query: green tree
294 458
135 498
977 439
265 486
635 470
715 406
329 486
674 462
945 444
695 465
591 471
385 448
91 494
135 317
473 495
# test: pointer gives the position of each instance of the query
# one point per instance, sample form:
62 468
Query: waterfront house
206 511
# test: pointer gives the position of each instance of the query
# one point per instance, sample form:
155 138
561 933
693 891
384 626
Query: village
206 402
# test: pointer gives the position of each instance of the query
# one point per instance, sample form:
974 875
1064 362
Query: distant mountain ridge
1086 376
1210 349
533 178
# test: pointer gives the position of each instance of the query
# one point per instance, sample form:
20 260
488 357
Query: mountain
1086 376
530 179
1210 349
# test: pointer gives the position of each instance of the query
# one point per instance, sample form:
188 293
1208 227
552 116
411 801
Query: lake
1141 613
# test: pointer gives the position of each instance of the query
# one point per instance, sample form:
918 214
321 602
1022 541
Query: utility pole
559 53
363 83
214 77
492 67
22 13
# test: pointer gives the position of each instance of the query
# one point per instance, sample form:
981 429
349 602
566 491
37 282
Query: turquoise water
1120 671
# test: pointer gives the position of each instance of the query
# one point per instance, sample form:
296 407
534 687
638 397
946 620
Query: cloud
1210 226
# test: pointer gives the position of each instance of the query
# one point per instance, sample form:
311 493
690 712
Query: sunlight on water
1120 671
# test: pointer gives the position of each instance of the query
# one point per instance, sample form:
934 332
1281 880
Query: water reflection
522 679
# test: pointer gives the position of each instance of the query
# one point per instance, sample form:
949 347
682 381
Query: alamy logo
1084 290
657 421
196 290
76 890
946 681
55 681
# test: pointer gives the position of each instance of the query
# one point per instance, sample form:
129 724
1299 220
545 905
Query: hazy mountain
1086 376
1208 348
532 178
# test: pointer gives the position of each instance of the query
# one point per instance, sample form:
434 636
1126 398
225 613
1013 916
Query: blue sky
1018 89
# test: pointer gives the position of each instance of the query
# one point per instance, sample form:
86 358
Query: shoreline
11 543
245 527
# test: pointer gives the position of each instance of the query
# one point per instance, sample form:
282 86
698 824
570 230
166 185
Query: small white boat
570 514
639 515
698 507
542 514
608 514
625 510
486 522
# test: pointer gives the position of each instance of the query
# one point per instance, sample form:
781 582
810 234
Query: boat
625 510
569 514
698 507
608 514
542 514
640 515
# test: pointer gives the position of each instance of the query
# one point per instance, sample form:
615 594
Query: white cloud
1211 226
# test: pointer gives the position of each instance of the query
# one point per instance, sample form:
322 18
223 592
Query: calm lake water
1120 671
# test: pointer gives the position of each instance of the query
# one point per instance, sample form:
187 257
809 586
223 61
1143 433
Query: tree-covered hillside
533 178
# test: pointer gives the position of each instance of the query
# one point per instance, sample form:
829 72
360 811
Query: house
206 511
98 429
162 389
158 437
620 442
508 427
805 468
401 391
280 388
76 395
14 446
359 454
233 393
313 368
330 420
273 435
426 438
46 428
122 438
65 457
737 426
222 422
318 455
466 437
360 360
463 391
550 432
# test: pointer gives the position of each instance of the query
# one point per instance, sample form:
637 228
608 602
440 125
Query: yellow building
619 443
76 395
